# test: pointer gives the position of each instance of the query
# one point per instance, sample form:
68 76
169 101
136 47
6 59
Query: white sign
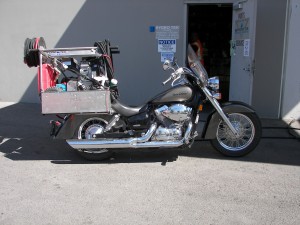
167 45
167 32
246 47
167 55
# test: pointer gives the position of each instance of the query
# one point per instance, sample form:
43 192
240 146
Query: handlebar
177 73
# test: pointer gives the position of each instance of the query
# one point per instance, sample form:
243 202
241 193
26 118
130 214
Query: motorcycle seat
126 110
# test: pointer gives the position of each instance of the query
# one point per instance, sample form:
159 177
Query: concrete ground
42 181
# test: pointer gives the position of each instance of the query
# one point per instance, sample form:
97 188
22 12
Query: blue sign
152 29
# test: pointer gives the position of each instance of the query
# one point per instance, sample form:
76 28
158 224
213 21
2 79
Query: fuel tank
175 94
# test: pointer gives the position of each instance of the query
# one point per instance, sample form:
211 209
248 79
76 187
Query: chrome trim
147 136
86 121
217 106
112 122
158 144
178 112
111 143
120 144
188 133
217 95
141 142
243 125
167 134
41 71
214 83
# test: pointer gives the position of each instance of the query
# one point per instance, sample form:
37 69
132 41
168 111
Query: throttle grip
114 50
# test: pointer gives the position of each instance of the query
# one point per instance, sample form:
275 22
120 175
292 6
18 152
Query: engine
172 119
73 69
89 74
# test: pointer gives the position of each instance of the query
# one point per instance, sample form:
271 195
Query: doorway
211 24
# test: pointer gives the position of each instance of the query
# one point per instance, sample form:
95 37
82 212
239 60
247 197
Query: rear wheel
95 154
87 130
248 127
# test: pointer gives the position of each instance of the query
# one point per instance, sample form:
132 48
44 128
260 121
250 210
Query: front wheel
249 131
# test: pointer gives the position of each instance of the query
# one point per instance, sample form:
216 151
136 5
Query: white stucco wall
76 23
22 19
291 79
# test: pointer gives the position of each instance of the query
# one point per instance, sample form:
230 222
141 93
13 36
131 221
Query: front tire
249 133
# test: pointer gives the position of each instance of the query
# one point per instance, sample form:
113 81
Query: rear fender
72 123
214 118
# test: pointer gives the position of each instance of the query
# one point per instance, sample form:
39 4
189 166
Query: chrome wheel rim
88 129
243 126
91 127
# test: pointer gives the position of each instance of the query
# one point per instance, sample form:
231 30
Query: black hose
104 48
31 57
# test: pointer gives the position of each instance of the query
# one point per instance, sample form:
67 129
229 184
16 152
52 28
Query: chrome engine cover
176 112
172 117
167 134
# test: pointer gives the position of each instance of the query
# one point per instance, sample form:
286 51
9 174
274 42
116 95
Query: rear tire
249 133
97 155
87 130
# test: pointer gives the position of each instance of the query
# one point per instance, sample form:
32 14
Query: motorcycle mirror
167 65
175 62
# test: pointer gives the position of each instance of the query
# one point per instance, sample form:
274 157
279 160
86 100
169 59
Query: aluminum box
96 101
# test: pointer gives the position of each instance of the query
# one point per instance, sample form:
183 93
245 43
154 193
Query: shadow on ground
24 135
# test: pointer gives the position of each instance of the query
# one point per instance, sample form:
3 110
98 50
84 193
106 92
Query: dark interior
213 24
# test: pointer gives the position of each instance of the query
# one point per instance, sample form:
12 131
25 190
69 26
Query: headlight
214 84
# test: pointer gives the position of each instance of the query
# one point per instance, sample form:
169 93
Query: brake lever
168 80
176 75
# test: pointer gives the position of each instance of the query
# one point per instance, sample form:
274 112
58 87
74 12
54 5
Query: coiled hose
31 58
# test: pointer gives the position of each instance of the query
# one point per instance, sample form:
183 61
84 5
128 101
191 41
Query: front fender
214 118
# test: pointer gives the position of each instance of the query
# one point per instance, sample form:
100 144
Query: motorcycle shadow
162 156
59 152
24 135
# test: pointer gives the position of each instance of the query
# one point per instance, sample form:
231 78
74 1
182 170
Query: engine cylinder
167 134
177 112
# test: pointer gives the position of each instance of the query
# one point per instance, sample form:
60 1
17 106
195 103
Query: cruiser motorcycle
93 120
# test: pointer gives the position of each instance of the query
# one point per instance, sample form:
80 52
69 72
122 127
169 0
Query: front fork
217 106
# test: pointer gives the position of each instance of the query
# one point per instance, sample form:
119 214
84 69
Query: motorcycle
94 121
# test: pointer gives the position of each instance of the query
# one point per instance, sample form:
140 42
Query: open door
242 51
210 27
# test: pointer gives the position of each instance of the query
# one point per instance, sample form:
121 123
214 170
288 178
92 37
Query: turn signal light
217 95
200 107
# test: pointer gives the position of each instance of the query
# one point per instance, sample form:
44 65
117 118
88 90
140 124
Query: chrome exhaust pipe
141 142
111 143
121 144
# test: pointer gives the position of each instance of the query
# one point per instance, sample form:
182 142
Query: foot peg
55 126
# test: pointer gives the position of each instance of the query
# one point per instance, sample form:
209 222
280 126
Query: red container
48 77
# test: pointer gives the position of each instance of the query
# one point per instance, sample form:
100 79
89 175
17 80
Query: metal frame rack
91 101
